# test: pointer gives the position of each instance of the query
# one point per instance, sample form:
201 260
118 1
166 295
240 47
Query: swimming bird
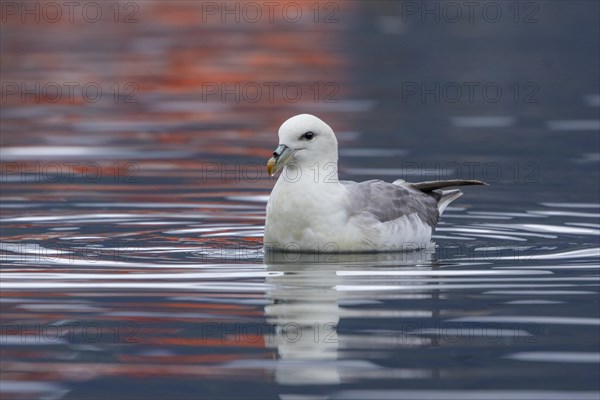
311 210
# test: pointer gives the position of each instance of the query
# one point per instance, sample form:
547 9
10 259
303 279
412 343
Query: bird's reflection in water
303 308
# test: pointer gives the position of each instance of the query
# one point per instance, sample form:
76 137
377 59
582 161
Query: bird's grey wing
387 201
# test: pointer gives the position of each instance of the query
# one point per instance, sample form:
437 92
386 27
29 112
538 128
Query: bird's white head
303 141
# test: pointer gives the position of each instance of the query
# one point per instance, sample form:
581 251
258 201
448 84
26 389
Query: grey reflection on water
304 308
305 313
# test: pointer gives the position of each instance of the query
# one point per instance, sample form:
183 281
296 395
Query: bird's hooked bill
280 157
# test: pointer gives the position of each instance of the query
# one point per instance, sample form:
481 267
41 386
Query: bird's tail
446 197
443 197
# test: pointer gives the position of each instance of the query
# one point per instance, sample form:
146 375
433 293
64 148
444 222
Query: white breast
305 217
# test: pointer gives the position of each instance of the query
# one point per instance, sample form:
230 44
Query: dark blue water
132 261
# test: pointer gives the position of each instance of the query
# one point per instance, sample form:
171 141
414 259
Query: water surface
132 261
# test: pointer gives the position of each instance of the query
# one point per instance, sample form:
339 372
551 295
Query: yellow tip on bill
271 166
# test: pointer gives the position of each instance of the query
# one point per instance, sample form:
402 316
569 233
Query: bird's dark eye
308 136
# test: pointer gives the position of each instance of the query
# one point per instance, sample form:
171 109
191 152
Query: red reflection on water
165 132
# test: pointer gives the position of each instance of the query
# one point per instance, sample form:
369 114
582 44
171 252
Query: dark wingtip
467 182
434 185
475 182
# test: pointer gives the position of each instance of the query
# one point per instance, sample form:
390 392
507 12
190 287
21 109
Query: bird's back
390 201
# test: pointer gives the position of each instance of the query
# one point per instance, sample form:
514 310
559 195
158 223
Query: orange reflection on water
188 114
